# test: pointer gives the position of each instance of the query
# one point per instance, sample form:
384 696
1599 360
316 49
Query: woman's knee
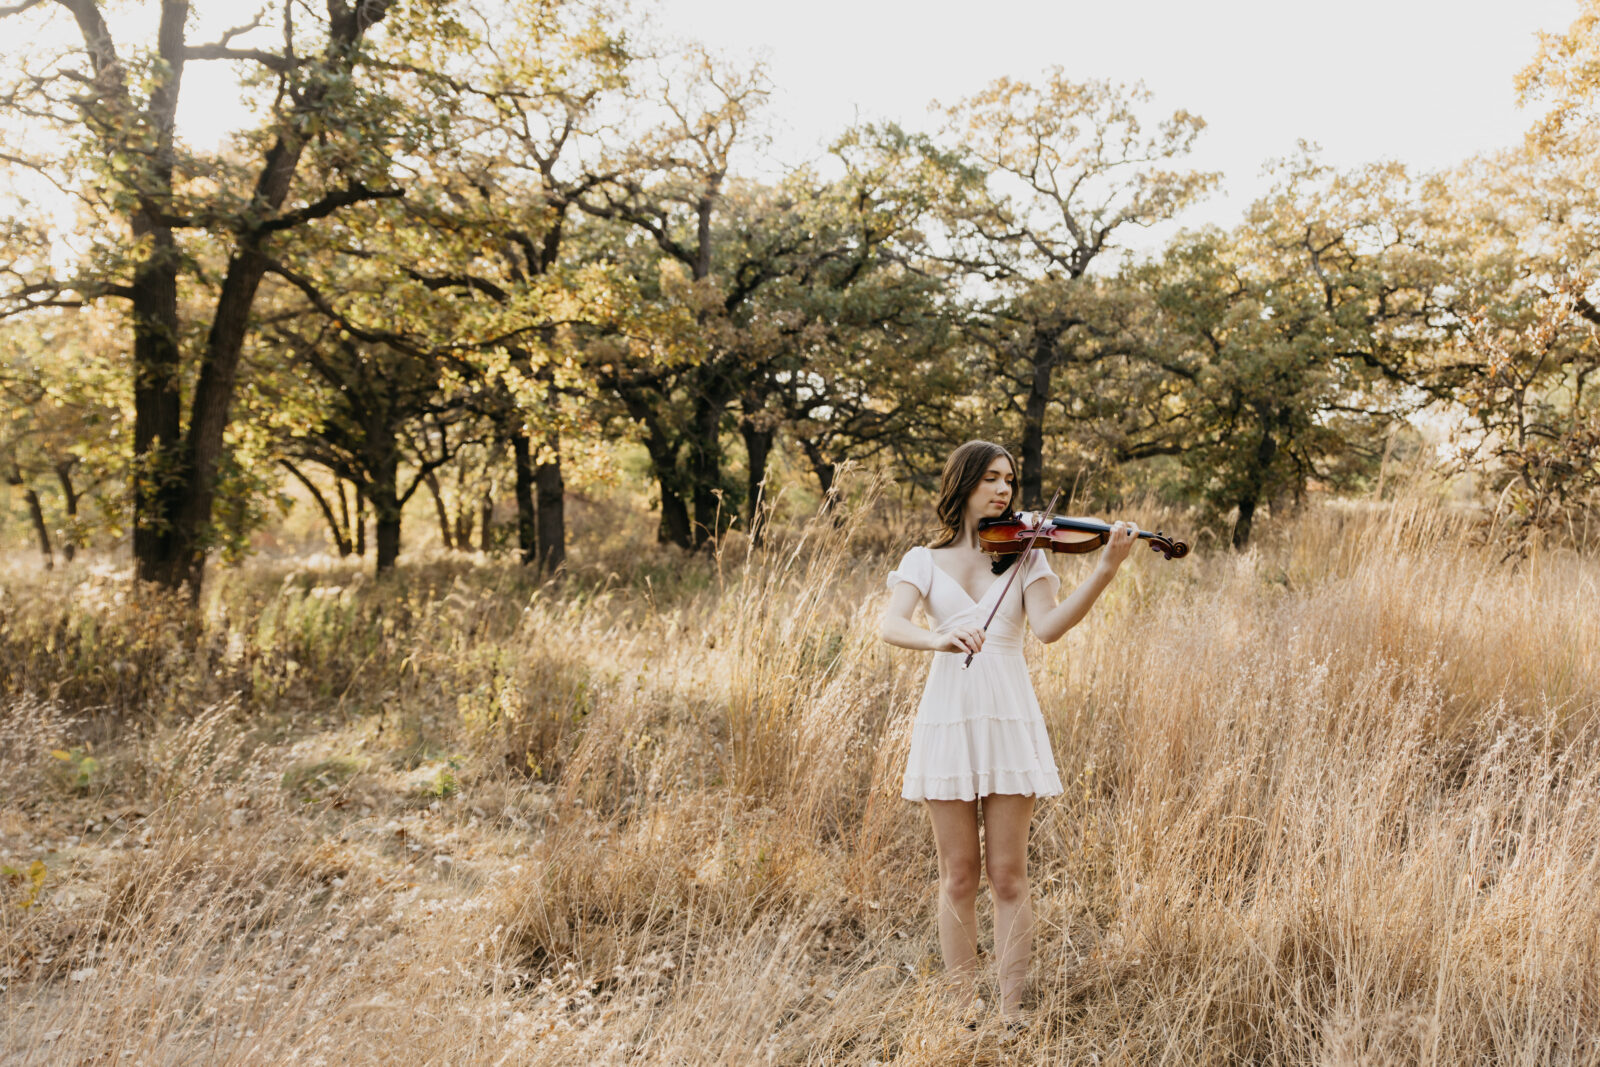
1008 883
959 878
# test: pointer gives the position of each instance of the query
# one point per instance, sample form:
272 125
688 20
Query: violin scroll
1168 547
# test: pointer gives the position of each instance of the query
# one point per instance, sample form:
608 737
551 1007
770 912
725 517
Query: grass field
1333 801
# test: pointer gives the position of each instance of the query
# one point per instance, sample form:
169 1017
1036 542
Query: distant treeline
456 245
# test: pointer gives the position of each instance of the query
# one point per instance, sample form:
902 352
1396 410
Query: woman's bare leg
1006 820
955 832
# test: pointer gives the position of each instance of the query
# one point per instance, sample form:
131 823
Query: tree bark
159 485
705 468
551 488
486 518
1030 479
825 472
386 510
674 526
361 523
69 497
339 539
527 530
36 514
1266 451
758 449
219 365
158 482
439 508
463 520
344 514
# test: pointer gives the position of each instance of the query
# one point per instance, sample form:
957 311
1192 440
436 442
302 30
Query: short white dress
979 730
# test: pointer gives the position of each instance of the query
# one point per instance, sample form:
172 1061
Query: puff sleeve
1038 566
916 567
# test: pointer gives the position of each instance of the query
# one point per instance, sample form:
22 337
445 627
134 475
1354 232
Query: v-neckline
957 581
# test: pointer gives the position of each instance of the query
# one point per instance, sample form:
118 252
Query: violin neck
1088 525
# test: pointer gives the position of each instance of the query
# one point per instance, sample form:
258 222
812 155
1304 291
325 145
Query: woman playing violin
979 737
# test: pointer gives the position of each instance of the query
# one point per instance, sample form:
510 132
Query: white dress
979 730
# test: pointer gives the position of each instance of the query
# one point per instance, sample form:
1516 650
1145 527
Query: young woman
978 736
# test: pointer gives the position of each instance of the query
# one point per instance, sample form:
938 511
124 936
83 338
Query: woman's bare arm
1050 620
899 629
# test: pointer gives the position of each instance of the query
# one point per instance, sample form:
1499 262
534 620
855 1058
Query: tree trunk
522 464
159 485
1030 480
758 449
361 523
825 472
219 368
486 517
463 511
439 508
69 497
1266 450
705 468
386 510
344 515
339 539
552 507
674 526
36 514
219 364
1241 524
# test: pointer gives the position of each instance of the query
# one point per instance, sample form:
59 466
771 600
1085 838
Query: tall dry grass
1329 801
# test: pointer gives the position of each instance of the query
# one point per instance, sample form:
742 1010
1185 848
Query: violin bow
1044 522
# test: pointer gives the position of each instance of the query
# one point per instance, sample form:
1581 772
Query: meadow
1331 800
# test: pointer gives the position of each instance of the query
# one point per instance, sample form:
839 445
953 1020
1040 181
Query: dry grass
1329 801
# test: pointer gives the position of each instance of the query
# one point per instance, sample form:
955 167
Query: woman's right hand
961 639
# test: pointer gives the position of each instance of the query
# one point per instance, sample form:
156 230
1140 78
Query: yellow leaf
59 754
36 876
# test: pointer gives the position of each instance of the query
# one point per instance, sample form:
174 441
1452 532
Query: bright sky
1428 82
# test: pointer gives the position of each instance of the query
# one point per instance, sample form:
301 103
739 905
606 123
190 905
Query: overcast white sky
1428 82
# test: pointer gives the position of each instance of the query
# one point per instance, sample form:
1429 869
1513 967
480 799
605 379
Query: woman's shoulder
1038 566
915 566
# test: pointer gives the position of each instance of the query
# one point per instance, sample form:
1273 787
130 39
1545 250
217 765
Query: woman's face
993 491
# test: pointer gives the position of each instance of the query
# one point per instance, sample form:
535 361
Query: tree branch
326 206
270 60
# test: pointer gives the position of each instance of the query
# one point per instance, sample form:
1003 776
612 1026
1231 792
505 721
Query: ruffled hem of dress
969 718
962 787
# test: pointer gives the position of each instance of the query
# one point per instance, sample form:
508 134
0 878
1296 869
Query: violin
1006 536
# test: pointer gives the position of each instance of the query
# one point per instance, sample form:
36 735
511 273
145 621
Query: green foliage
31 880
76 770
517 229
308 781
1292 344
442 784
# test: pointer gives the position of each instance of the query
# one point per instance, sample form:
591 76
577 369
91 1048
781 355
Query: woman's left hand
1120 541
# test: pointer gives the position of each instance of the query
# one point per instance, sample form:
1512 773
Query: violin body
1005 536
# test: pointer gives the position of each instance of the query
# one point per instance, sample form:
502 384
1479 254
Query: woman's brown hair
962 473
